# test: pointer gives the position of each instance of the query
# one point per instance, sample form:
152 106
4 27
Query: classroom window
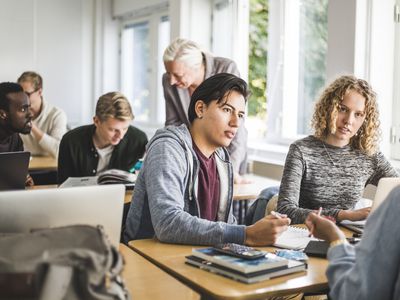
222 24
295 51
142 44
395 130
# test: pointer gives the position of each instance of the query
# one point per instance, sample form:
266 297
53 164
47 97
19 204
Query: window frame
156 117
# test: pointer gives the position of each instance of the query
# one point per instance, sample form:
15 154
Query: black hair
5 89
216 88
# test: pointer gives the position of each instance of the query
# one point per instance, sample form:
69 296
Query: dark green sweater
78 156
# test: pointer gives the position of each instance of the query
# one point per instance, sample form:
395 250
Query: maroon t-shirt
208 186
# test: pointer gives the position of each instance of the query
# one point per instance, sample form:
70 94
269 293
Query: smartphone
239 251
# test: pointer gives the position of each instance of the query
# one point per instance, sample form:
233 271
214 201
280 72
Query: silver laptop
385 186
13 170
21 211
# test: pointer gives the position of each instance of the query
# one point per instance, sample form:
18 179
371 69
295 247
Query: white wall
128 7
368 54
73 44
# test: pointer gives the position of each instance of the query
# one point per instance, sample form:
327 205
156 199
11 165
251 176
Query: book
79 181
295 238
355 226
269 261
291 267
112 176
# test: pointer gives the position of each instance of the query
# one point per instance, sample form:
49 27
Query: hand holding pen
312 226
323 228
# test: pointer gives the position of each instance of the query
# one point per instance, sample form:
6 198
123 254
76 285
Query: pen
318 214
319 211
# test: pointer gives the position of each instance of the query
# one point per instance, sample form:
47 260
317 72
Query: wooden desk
146 281
42 163
250 191
171 258
244 193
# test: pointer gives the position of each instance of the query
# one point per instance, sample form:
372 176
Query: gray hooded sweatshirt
165 201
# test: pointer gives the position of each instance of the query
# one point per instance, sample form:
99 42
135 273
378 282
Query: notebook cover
317 248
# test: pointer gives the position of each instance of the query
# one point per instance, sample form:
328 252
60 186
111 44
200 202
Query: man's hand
354 215
323 228
266 231
29 181
36 132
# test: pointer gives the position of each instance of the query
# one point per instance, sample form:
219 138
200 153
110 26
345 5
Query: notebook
385 186
13 170
21 211
294 238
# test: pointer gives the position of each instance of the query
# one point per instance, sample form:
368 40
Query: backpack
257 210
72 262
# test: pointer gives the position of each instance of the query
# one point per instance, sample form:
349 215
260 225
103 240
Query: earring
200 117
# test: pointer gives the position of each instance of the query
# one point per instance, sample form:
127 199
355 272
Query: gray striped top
329 177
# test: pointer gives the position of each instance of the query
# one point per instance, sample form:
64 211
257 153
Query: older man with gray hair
187 66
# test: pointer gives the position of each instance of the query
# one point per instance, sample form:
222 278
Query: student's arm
65 162
51 141
171 98
289 191
383 168
371 270
165 173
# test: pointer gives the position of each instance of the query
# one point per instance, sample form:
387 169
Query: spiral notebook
295 238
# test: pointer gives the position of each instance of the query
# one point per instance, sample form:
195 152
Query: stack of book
244 270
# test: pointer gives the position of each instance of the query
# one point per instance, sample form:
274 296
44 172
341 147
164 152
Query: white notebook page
294 238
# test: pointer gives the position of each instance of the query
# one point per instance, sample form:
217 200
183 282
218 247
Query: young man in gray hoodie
184 191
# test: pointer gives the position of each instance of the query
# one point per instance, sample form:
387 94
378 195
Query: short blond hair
34 78
327 107
114 105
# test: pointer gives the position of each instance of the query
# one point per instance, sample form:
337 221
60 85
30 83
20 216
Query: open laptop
385 186
14 169
21 211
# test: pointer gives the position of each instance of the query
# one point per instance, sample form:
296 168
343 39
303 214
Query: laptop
385 186
21 211
14 169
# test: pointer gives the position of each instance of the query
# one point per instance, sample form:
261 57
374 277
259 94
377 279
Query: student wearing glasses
331 168
49 122
184 191
187 66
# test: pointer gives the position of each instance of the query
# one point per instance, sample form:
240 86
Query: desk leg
240 221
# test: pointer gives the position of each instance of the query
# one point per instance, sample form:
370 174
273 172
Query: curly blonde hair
326 111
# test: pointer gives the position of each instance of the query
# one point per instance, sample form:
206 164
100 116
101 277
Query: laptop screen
14 169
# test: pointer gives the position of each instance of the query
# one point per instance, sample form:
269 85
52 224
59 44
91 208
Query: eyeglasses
30 93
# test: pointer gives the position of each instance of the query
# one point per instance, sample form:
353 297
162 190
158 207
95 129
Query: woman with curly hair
331 168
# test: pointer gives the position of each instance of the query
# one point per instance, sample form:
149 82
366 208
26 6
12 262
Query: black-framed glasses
30 93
